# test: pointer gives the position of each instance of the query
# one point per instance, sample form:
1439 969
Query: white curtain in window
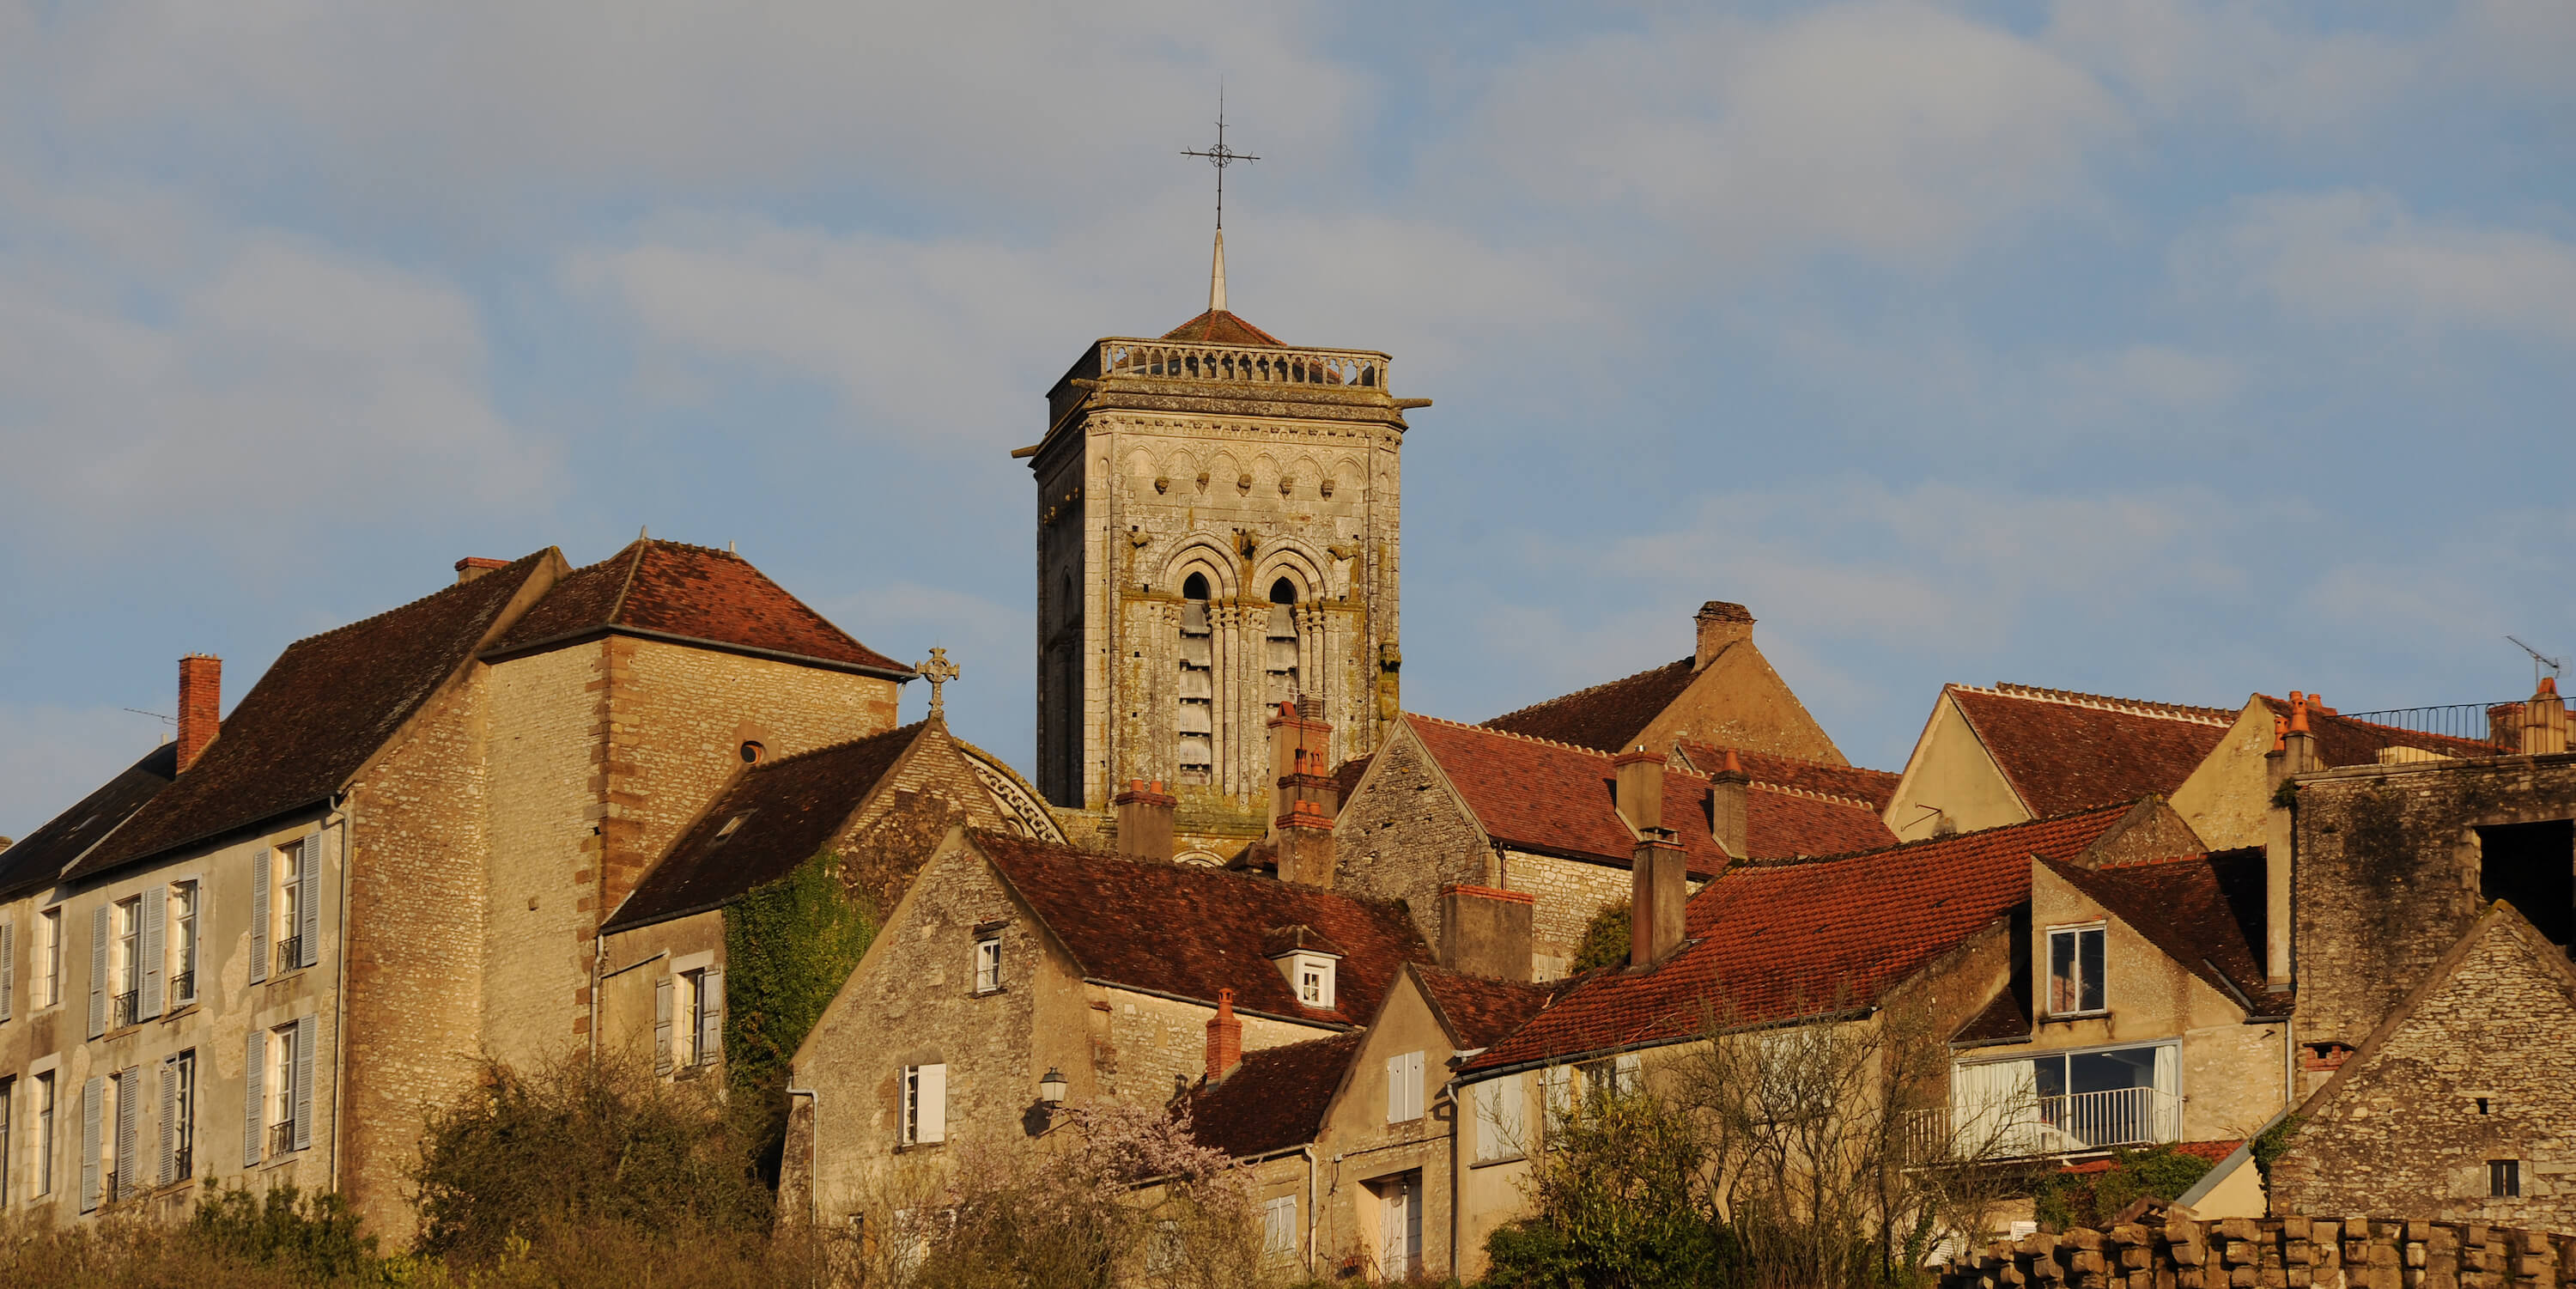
2168 1116
1994 1108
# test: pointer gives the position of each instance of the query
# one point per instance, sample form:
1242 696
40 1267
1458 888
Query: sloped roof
1781 823
1275 1100
1556 799
1606 717
1219 327
1479 1011
2064 751
2203 911
1877 787
42 855
692 593
318 715
1774 942
1188 931
2341 740
790 809
2004 1019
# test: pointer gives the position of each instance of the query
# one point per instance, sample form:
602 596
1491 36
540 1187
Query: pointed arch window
1281 653
1194 724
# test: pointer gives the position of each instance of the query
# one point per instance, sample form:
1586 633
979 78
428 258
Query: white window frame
2102 986
279 1094
183 949
988 963
924 1119
287 917
49 957
1502 1119
1312 976
1279 1228
49 1113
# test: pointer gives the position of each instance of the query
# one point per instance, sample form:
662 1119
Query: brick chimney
1301 766
1729 811
474 566
1658 887
1720 624
201 704
2544 720
1224 1038
1144 815
1486 932
1637 791
1304 842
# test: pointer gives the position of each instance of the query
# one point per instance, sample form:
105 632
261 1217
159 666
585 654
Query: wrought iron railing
2498 723
290 953
281 1137
122 1009
183 987
183 1163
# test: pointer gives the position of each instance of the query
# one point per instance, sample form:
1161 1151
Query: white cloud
2365 257
2239 63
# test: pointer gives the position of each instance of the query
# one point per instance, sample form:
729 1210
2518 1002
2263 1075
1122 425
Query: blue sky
2136 346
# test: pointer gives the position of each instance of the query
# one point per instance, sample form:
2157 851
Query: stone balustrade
1243 364
2175 1250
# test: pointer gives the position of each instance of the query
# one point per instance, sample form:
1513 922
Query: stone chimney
1729 811
1658 887
1638 789
1720 624
201 704
1224 1038
1303 839
474 566
1486 932
2544 720
1301 767
1144 816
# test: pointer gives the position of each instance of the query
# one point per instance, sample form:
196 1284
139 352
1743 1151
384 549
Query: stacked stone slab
2177 1251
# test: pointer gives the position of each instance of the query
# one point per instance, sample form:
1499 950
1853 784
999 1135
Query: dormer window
1308 960
1313 975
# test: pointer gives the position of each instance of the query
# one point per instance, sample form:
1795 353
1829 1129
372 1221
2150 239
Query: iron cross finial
938 671
1220 156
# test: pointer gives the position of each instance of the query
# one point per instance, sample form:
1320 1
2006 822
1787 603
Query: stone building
1217 517
1724 694
392 858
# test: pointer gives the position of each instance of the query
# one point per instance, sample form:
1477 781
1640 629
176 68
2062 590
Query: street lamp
1051 1087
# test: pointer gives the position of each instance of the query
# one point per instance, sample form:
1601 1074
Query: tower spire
1219 156
1216 276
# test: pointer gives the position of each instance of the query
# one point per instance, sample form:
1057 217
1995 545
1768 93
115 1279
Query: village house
1724 694
390 860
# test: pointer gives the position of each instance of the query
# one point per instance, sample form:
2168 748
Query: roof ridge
1788 791
2145 861
2118 807
1544 702
843 745
1684 738
617 607
407 604
2105 702
1525 738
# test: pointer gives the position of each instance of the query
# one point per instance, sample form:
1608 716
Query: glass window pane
2061 972
2091 969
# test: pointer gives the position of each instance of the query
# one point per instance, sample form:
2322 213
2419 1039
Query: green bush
314 1235
788 948
1605 940
2067 1200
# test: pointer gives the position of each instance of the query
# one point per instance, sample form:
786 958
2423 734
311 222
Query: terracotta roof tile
1481 1011
42 855
1188 931
2341 740
1773 942
1877 787
1606 717
1275 1100
2004 1019
2064 751
2213 1151
1219 327
322 710
789 810
690 593
1783 823
2203 911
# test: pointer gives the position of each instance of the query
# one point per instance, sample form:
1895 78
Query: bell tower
1217 517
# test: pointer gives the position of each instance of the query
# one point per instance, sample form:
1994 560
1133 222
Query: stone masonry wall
2178 1252
1568 894
2387 874
549 711
1404 836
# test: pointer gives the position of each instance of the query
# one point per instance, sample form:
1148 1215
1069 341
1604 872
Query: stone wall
2387 864
2177 1251
1403 836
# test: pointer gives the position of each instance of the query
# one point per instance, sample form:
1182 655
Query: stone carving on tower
1217 531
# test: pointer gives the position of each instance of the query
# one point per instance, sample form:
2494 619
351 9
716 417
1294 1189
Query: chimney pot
1224 1038
1720 624
1658 889
201 701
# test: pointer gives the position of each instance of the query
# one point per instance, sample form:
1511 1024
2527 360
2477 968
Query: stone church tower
1217 520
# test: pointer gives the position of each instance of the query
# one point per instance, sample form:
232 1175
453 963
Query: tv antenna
2538 661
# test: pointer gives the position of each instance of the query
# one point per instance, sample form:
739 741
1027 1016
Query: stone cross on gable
938 671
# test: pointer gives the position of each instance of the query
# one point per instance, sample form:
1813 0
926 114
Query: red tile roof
1275 1100
1773 942
1783 823
2203 911
790 809
2213 1151
319 714
692 593
1877 787
2341 740
1478 1011
2065 751
1606 717
42 855
1218 327
1188 931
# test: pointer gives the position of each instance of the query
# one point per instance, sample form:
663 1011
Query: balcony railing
183 988
281 1138
2058 1125
122 1009
290 953
183 1163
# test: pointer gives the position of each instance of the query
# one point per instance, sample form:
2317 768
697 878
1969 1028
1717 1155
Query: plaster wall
1738 701
1951 783
1361 1148
2227 799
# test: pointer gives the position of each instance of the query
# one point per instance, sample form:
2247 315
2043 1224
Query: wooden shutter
151 941
710 1040
92 1093
98 971
169 1170
662 1025
258 914
254 1092
304 1083
129 1090
1395 1089
308 928
8 967
931 1124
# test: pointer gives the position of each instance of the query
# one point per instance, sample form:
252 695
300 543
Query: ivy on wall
788 947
